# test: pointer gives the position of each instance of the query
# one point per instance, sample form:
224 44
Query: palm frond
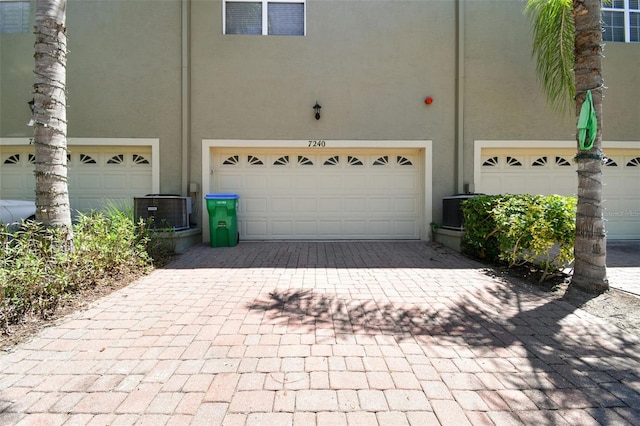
553 43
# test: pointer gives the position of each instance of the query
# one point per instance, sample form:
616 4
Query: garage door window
263 17
535 161
634 162
12 159
302 160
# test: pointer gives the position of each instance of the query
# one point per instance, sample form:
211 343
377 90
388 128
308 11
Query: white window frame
265 12
627 11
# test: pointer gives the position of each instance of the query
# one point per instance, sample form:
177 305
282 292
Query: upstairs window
621 21
14 17
264 17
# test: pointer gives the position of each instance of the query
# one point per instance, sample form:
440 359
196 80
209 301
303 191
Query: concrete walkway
336 333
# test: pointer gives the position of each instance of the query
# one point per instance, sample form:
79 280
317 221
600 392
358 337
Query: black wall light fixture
32 107
316 108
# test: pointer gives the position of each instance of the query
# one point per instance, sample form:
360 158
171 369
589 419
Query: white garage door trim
621 199
154 144
425 146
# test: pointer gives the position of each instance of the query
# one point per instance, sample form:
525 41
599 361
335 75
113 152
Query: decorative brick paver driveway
335 333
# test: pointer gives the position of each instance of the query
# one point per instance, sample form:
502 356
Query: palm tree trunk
50 128
590 272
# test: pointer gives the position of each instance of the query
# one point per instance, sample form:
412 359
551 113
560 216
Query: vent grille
452 217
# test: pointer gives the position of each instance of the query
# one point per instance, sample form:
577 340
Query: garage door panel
515 184
628 205
95 174
358 182
491 184
304 183
329 227
331 182
14 186
254 204
632 181
281 228
612 205
278 183
226 183
538 184
356 205
306 228
116 182
403 184
405 228
385 184
405 205
86 182
557 175
306 205
255 183
256 228
614 185
380 228
277 205
329 205
141 183
622 230
381 204
337 194
358 228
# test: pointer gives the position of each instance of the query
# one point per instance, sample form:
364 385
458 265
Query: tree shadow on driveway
560 357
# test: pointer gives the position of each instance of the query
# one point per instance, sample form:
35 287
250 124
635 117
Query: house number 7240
317 144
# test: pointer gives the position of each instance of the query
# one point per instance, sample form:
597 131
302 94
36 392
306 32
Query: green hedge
519 229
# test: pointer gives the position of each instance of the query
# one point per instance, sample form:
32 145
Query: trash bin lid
221 196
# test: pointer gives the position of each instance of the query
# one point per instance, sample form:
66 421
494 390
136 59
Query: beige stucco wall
123 76
621 106
503 99
370 75
16 83
370 64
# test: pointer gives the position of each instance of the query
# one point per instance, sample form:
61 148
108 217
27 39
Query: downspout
185 96
460 65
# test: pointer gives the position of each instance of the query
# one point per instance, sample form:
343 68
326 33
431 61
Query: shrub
479 239
38 269
33 271
519 229
107 244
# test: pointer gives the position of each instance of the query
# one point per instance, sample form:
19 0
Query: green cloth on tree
587 122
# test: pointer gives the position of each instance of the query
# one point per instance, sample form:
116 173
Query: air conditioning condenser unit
163 211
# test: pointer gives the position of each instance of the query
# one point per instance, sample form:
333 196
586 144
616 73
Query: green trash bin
223 221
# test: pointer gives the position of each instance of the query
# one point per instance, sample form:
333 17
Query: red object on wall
428 100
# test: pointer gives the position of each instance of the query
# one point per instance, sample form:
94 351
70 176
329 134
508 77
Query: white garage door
337 194
551 171
96 174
